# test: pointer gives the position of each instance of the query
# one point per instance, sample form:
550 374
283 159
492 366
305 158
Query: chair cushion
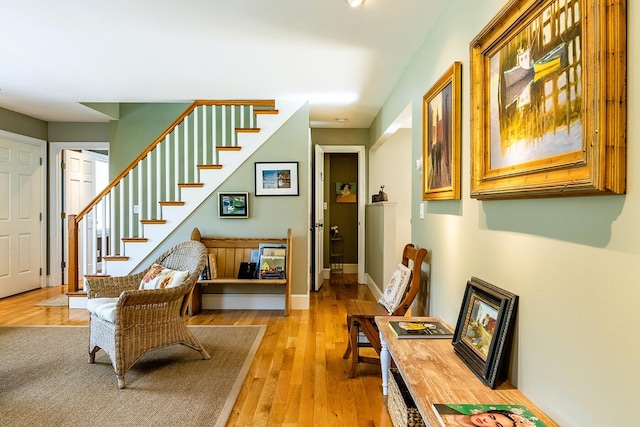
159 277
104 308
396 288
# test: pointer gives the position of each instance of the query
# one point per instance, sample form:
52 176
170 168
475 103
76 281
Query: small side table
336 254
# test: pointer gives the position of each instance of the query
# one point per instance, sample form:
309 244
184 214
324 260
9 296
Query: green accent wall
23 125
139 126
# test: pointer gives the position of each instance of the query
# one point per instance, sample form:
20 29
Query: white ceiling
56 55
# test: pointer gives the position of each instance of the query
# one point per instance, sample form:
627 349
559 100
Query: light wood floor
298 375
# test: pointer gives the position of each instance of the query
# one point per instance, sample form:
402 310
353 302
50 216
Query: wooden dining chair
361 325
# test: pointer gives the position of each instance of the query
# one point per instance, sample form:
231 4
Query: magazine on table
458 415
407 330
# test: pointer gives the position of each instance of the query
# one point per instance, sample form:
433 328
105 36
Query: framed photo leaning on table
484 330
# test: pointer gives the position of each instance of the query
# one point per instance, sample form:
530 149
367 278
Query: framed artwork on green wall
233 205
548 100
276 179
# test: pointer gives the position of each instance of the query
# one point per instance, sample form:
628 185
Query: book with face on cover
470 415
403 329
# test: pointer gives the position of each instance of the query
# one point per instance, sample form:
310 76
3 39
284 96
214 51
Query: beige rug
57 301
46 380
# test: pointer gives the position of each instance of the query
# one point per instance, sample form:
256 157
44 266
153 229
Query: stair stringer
156 234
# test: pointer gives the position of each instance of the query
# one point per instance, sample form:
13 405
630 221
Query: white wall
390 165
574 262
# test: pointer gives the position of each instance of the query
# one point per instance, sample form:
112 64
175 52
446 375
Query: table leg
385 364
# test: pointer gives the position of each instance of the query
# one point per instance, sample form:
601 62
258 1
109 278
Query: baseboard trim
377 293
252 302
77 301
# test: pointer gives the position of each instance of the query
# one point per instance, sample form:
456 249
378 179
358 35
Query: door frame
43 195
362 197
55 207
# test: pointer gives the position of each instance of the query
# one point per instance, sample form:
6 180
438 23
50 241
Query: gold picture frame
441 137
548 100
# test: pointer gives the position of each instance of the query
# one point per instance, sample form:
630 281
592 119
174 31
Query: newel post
72 265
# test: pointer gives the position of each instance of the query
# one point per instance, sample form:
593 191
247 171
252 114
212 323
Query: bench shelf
230 252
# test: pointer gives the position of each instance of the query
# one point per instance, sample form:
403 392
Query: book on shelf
454 414
247 270
407 330
272 260
212 266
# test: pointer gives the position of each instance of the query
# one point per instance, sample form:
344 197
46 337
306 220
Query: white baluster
196 143
214 134
167 171
223 124
151 158
140 199
186 143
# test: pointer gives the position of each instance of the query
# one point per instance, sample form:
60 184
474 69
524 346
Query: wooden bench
230 253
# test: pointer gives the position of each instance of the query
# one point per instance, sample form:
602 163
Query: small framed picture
276 179
484 330
233 205
345 192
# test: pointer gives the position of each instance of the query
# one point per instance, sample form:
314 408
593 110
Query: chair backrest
410 252
191 256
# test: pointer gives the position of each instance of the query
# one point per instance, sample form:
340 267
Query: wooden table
434 373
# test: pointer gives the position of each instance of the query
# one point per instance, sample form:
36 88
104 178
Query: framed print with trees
548 100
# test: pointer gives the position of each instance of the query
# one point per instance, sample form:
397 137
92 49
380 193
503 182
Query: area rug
57 301
46 380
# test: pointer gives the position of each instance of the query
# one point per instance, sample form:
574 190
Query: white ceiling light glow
355 3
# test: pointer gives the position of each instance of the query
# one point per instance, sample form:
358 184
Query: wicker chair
147 319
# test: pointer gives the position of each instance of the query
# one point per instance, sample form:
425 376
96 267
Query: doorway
96 151
320 208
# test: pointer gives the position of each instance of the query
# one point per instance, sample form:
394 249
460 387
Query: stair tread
116 258
153 221
134 239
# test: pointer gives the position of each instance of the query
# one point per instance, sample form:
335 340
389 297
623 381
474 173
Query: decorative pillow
159 277
395 290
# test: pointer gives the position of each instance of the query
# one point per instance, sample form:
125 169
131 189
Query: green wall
139 125
341 168
23 125
78 132
574 262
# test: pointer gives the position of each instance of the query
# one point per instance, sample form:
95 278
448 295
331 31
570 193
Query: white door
20 217
319 216
79 190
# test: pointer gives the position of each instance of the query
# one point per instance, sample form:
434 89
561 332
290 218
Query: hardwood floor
298 376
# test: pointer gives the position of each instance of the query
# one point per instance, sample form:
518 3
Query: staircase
174 175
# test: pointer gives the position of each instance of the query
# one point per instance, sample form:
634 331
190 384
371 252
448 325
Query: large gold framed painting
548 100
